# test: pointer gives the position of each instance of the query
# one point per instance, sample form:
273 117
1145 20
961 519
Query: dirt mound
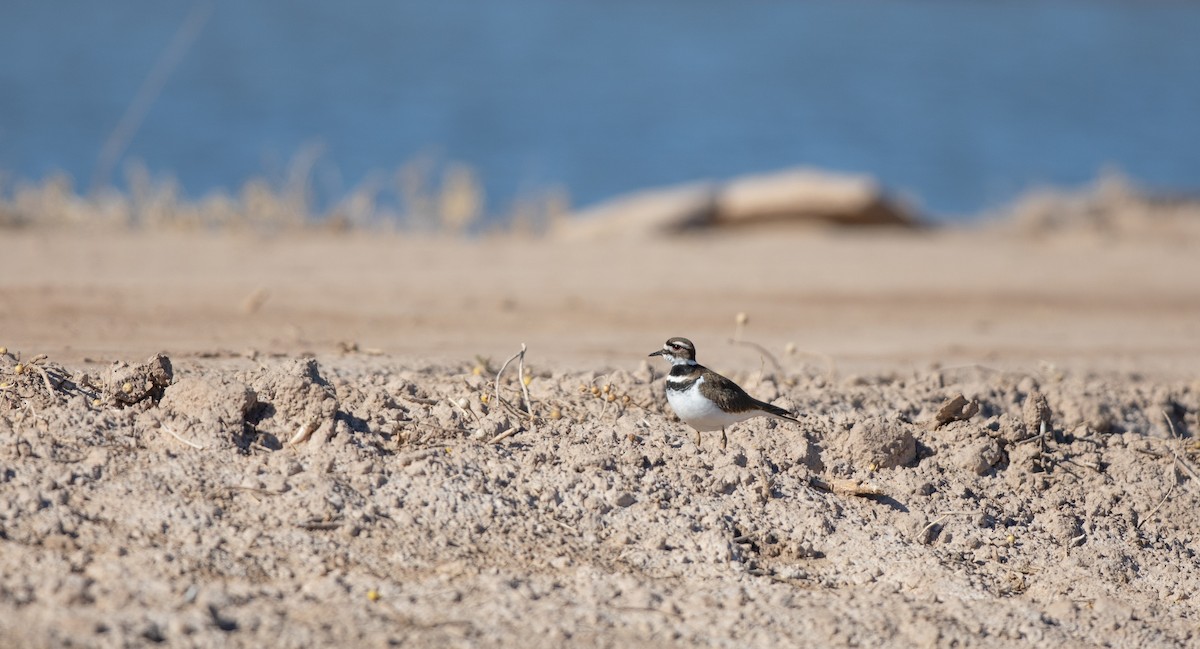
293 402
210 411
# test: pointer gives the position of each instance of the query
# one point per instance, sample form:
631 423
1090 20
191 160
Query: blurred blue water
960 104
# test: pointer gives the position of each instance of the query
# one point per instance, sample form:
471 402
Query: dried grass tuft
423 196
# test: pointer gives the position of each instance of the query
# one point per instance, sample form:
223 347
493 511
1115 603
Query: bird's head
677 350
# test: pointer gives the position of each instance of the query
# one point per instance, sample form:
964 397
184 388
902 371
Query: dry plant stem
258 446
45 378
521 380
502 368
762 350
255 490
177 436
511 431
845 487
1186 466
1086 465
1150 513
565 526
503 436
938 521
1180 460
319 526
830 363
512 410
528 414
466 412
1170 425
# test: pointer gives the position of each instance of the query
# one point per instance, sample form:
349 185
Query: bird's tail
776 411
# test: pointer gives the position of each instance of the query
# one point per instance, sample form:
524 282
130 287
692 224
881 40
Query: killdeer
704 399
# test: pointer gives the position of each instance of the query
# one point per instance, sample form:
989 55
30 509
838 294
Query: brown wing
731 397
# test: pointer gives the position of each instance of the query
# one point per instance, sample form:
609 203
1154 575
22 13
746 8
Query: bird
705 400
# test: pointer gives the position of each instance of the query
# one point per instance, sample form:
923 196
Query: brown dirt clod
130 384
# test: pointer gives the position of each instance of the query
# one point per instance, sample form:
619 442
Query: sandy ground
320 455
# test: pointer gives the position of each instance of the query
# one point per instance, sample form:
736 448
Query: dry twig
45 378
1180 460
528 414
521 380
762 350
316 525
503 436
177 436
923 534
518 355
846 487
1150 513
470 414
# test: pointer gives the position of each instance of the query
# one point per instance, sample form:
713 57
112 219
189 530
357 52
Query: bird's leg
724 440
697 437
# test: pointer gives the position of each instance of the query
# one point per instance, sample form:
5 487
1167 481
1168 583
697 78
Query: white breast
700 413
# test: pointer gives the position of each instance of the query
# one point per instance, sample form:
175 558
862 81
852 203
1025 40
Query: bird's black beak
657 353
